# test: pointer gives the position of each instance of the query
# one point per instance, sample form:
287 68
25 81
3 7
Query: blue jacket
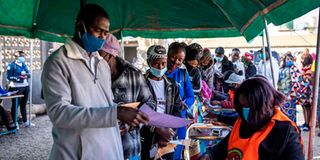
181 76
14 72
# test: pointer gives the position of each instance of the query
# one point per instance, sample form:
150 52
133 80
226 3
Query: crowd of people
91 94
17 79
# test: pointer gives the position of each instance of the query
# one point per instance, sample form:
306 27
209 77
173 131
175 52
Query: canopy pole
83 3
122 45
264 57
315 96
30 82
269 53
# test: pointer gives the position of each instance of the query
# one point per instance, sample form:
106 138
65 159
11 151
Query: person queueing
262 131
289 82
18 75
207 66
306 92
165 93
192 63
264 68
77 92
250 68
221 65
128 85
176 56
237 64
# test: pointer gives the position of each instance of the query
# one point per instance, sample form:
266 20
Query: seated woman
5 117
165 93
262 131
234 82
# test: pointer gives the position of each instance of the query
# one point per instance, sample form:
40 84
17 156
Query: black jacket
195 78
227 66
251 70
282 143
173 107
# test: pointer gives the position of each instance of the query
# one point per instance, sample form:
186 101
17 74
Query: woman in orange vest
262 131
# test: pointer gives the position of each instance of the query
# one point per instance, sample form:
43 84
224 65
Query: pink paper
163 120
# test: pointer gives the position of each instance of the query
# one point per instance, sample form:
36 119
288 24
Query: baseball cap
111 46
156 51
248 56
234 78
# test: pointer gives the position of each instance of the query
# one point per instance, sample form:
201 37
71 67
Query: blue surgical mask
157 72
90 42
289 63
21 59
245 113
218 59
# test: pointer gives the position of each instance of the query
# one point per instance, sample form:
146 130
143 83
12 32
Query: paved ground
28 143
35 143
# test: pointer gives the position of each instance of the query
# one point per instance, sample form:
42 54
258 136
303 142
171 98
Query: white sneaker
28 124
17 124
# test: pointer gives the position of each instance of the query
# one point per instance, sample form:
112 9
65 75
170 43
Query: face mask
262 56
232 88
158 73
21 59
289 63
90 42
218 59
245 113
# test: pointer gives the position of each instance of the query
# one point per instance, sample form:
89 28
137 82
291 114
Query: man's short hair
219 50
90 12
19 53
236 50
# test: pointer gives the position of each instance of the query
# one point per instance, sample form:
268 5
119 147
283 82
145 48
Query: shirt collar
75 51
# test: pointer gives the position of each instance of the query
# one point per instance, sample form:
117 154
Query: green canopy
53 20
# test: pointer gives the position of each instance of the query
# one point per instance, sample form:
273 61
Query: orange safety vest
248 149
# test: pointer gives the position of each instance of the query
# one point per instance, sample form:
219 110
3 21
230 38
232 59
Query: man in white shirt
165 93
237 64
265 69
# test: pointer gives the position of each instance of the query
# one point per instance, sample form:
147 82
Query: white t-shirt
159 90
218 68
261 70
239 66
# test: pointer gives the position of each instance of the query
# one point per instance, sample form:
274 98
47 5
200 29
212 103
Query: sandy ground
35 143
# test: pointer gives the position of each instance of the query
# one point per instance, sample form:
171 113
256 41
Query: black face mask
188 66
232 88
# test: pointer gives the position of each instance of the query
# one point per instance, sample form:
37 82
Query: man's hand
215 102
131 116
162 142
166 133
123 129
